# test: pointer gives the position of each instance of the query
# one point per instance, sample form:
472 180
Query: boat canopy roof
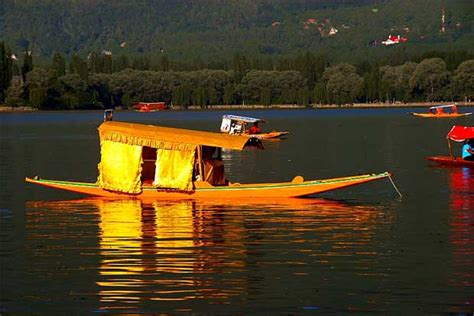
443 106
171 138
245 119
461 133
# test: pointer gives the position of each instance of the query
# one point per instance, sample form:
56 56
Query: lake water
359 250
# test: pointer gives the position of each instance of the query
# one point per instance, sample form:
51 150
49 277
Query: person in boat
213 166
468 150
255 129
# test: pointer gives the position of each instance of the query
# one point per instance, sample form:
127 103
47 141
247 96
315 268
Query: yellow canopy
167 137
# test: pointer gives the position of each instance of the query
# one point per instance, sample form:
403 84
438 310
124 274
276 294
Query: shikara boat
442 111
149 106
144 161
237 125
457 134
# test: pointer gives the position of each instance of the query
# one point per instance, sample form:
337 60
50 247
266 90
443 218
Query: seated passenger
468 150
213 166
255 129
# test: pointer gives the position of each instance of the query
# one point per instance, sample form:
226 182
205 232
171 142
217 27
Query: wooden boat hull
205 190
269 135
429 115
452 161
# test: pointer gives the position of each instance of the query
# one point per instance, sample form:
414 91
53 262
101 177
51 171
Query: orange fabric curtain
174 169
120 167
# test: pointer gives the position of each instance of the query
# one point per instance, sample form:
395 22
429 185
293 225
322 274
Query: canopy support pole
201 169
450 149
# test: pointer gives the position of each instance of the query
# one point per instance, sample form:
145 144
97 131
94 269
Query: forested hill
218 29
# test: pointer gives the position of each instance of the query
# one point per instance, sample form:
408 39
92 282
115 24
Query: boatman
468 150
255 129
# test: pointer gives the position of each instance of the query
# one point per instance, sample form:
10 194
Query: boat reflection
462 225
213 250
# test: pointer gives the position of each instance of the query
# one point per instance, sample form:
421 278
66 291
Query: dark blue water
359 250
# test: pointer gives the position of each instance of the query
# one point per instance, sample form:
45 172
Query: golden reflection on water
139 240
180 251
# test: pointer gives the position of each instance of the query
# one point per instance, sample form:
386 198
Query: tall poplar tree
79 66
5 69
58 64
27 64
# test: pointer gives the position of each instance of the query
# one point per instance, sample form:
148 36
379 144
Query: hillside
218 29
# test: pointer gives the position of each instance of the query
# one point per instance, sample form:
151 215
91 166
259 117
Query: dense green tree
391 85
73 91
429 78
182 95
94 63
100 95
15 68
37 97
126 100
304 96
5 69
15 95
141 63
58 63
164 64
240 67
343 84
213 97
320 93
282 86
106 62
40 88
228 97
79 66
200 97
372 84
463 81
405 72
27 64
121 63
265 96
310 67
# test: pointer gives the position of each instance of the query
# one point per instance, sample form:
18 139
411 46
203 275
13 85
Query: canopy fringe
141 141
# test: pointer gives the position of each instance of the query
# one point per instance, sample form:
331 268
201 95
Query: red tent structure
460 133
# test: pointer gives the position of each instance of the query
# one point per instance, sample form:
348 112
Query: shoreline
7 109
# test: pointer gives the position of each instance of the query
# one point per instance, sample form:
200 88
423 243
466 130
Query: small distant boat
155 162
442 111
458 134
237 125
149 106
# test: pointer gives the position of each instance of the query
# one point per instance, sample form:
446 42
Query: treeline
104 81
